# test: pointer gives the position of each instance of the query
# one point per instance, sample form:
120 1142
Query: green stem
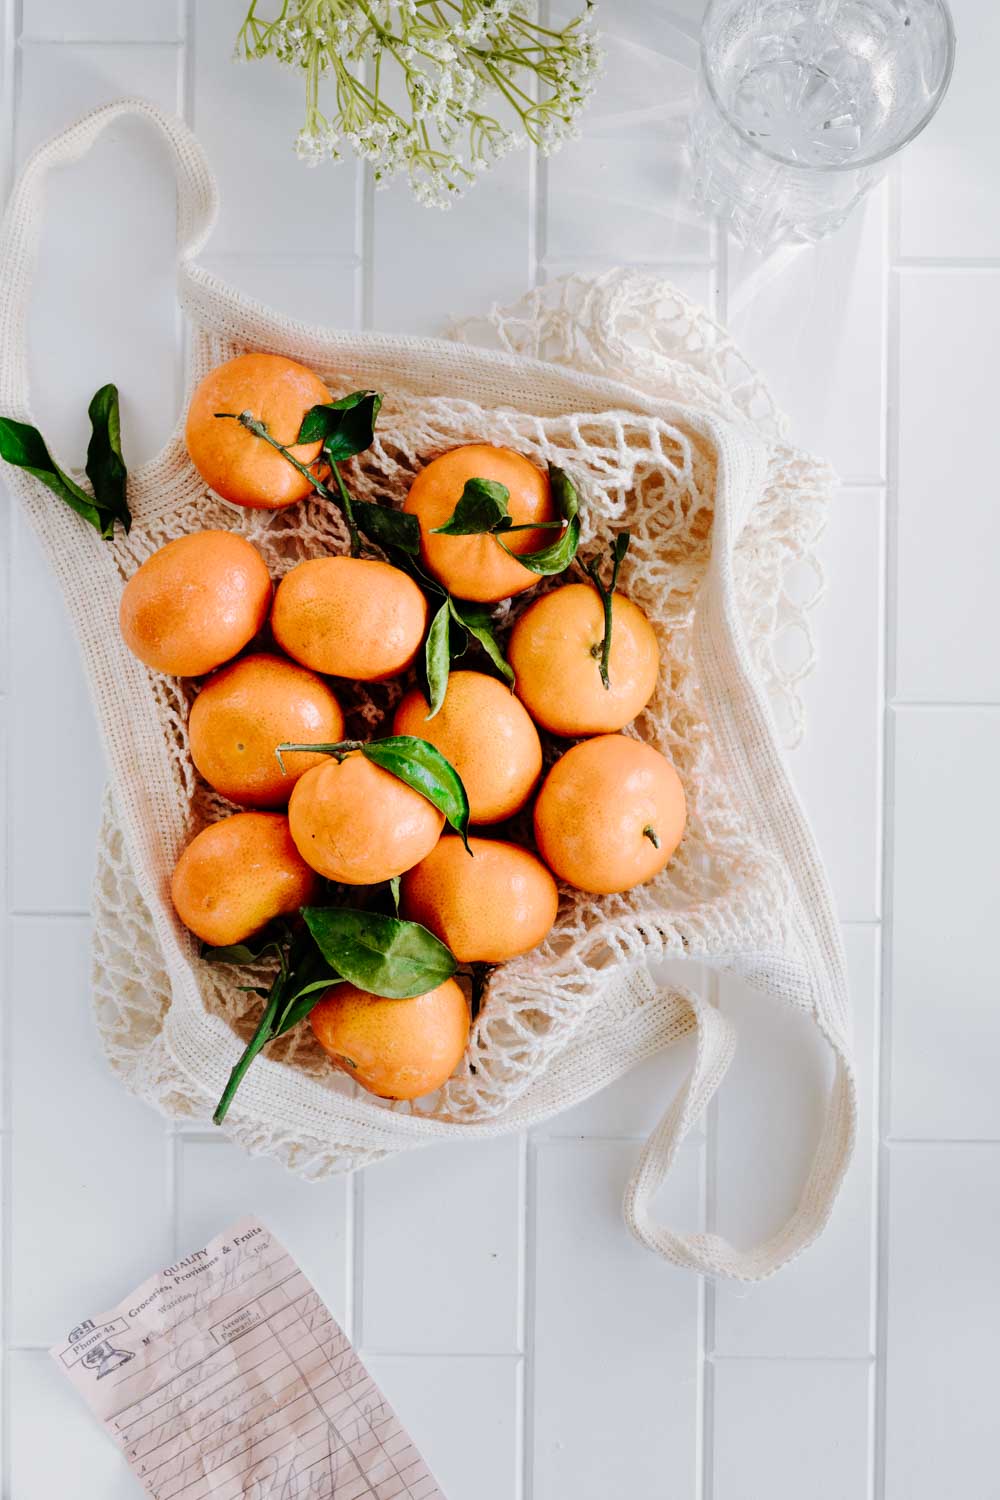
593 572
260 1040
649 832
339 750
342 500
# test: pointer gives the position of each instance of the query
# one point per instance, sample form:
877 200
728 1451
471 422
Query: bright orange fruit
486 909
486 735
610 814
398 1049
244 712
555 651
350 617
195 603
237 875
354 822
477 567
237 464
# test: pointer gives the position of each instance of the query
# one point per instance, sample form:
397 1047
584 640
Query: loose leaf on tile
344 427
383 955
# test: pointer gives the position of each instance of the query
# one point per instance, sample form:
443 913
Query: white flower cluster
436 90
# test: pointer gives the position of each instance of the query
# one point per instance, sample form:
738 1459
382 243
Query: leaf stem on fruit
342 500
650 833
593 572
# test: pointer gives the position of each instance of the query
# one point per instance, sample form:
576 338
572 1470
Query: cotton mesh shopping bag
667 431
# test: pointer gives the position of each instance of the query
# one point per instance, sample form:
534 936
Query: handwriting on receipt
225 1376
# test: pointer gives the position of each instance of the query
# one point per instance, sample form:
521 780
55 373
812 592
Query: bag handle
711 1253
197 206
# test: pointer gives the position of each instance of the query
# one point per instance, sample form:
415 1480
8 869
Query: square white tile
792 1428
462 1414
56 763
822 1304
247 116
948 606
837 766
812 318
616 1386
325 291
945 970
429 266
441 1250
57 1448
102 21
943 1322
946 208
103 305
90 1167
218 1184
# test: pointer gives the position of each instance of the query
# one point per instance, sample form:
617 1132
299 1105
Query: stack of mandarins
607 816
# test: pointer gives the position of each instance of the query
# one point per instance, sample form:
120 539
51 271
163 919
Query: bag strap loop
711 1253
197 206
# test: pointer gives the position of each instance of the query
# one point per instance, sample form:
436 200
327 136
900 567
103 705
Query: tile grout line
526 1410
883 1098
364 304
13 17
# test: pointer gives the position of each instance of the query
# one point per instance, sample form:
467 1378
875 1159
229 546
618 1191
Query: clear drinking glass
801 102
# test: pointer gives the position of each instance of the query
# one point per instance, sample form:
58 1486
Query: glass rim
856 163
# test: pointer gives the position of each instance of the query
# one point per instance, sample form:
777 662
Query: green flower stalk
436 90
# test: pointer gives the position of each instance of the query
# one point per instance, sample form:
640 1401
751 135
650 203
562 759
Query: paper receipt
225 1376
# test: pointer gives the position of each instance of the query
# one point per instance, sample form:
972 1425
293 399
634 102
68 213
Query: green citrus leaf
425 769
477 620
344 427
388 528
383 955
105 464
481 508
437 656
557 557
24 447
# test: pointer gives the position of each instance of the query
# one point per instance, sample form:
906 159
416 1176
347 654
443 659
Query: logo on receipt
91 1346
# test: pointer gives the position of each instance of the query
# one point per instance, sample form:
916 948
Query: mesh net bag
666 430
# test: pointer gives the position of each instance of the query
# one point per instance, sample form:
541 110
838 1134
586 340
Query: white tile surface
465 1198
813 318
634 1380
843 700
324 290
948 613
53 827
476 253
791 1427
247 115
615 1407
463 1415
943 1322
218 1184
90 1210
101 20
945 207
822 1304
56 1446
945 969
